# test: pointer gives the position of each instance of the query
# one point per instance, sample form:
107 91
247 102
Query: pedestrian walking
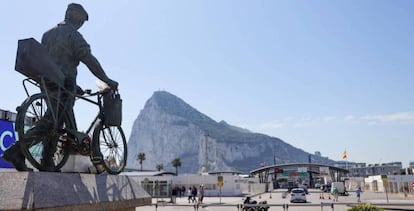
182 191
190 196
194 193
201 195
174 195
335 194
358 193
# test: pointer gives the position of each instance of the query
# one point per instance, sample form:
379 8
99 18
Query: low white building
160 184
390 183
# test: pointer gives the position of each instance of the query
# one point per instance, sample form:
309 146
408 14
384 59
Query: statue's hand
79 90
113 84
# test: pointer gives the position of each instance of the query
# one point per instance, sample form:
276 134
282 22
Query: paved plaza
276 202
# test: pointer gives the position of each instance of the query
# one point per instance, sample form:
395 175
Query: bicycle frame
98 103
43 88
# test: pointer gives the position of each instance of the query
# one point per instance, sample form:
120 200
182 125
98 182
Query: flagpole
346 162
345 156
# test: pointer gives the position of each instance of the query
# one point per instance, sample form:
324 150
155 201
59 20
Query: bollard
156 206
332 206
321 206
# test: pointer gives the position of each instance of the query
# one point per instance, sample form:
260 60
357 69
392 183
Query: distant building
317 153
394 184
361 170
7 115
160 184
349 165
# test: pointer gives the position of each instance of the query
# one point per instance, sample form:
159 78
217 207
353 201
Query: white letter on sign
3 135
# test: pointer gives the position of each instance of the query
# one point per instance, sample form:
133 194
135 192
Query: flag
344 155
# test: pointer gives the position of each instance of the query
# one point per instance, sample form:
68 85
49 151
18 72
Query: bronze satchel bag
112 109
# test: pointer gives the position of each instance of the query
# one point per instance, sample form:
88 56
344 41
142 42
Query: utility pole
311 183
274 171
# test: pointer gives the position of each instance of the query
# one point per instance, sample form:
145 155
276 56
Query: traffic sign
220 181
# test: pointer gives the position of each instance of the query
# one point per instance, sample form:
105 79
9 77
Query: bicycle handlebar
90 93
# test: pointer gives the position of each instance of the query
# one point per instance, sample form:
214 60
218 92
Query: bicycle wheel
112 146
32 110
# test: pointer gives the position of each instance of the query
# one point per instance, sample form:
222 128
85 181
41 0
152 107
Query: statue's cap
73 7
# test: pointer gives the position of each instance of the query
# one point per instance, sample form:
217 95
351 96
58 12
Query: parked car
297 195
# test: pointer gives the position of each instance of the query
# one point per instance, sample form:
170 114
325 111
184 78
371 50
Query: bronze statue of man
68 48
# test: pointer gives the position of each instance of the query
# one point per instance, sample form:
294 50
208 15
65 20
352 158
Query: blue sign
7 138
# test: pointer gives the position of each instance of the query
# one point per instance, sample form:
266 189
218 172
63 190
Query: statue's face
80 24
76 17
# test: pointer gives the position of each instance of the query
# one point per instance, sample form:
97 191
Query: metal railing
323 206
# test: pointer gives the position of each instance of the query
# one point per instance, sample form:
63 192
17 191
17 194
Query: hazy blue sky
321 75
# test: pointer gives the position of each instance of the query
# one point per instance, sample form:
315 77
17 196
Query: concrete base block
77 163
69 191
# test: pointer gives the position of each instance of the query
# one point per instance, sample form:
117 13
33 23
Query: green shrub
365 207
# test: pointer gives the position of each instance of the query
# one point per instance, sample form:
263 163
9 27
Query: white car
297 195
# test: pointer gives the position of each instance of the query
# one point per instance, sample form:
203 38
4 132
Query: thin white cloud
328 118
371 119
349 118
398 117
308 118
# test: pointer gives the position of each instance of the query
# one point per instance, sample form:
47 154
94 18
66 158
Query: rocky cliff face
168 127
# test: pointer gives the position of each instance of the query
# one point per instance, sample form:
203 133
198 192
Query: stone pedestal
69 191
77 163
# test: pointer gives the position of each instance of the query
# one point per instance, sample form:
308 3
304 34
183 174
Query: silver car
297 195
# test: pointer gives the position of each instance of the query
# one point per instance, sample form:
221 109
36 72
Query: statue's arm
84 54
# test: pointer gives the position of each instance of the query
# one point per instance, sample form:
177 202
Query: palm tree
159 167
176 163
141 158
